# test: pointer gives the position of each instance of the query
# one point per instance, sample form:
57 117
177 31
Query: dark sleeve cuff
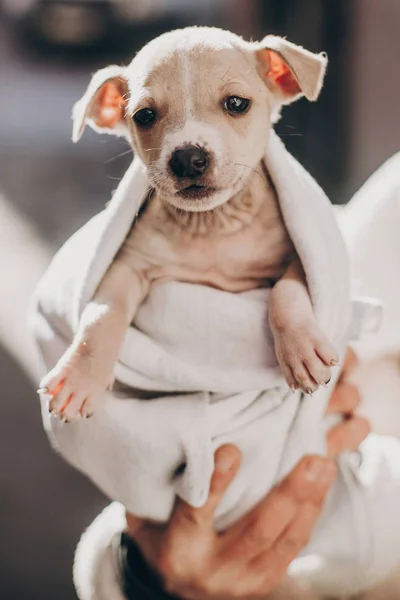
138 580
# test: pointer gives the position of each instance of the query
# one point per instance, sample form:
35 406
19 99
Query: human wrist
139 580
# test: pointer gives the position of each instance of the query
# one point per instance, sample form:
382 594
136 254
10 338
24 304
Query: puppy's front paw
305 356
76 384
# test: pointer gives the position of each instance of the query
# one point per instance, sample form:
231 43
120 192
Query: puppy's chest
234 253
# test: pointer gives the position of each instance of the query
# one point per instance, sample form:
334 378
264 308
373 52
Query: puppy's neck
229 218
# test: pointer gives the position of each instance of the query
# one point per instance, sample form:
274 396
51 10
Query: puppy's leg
80 378
302 349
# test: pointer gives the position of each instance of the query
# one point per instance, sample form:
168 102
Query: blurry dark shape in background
48 50
318 133
87 25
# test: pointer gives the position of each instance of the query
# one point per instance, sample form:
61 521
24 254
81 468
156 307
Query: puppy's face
200 124
197 105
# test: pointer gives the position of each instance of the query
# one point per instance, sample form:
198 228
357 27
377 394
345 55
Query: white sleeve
371 227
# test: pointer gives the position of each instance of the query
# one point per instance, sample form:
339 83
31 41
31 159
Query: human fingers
227 462
344 399
261 527
347 435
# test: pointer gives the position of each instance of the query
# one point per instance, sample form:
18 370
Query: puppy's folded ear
103 105
290 71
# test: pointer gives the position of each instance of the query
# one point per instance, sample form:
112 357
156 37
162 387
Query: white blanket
190 338
213 352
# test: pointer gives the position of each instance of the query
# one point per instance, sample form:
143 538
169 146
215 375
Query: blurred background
48 188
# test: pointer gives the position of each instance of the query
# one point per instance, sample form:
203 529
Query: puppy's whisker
150 188
210 217
158 183
225 74
181 217
220 213
232 80
243 184
158 179
118 156
251 169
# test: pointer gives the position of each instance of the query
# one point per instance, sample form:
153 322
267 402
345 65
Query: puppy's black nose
189 161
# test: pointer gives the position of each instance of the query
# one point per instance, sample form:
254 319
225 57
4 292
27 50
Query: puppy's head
197 105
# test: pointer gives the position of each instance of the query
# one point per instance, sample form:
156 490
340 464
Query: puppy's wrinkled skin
197 105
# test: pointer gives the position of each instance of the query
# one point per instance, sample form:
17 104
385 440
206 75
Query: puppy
196 106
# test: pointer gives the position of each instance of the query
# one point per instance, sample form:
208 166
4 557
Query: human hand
345 399
250 558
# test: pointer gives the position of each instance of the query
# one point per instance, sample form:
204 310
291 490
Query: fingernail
42 390
224 462
334 362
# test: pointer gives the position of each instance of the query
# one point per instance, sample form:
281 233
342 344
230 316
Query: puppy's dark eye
145 117
236 104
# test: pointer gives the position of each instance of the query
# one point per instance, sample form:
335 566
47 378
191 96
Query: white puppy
196 105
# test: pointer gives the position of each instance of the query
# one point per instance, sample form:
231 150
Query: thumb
148 536
227 462
133 524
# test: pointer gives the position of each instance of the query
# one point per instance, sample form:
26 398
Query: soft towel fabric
187 339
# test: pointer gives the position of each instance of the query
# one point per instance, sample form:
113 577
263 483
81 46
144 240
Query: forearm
106 318
304 353
291 285
77 383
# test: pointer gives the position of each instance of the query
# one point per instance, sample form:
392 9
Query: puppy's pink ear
290 71
103 105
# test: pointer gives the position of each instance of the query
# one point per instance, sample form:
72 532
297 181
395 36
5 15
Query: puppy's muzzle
189 161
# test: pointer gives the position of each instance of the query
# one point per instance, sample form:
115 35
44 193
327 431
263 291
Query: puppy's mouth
196 192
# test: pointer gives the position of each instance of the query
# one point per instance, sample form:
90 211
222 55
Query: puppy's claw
42 390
